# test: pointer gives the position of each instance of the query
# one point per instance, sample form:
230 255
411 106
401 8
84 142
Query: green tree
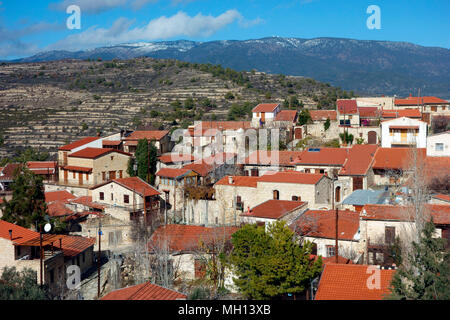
229 96
27 205
189 103
20 285
424 272
346 137
130 167
142 158
153 159
304 117
327 124
270 264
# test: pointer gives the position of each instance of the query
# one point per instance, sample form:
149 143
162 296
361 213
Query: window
112 158
52 276
294 198
103 176
307 170
102 196
389 235
120 174
112 196
331 251
126 198
73 174
276 195
439 147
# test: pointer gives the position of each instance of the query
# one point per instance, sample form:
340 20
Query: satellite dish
47 227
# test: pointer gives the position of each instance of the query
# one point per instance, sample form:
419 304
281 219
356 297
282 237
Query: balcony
404 140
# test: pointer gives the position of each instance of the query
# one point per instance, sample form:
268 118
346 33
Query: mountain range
366 66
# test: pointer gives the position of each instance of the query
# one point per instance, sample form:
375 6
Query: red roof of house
77 169
135 184
209 164
149 135
87 201
332 259
410 101
63 195
19 234
182 238
283 158
439 212
347 106
369 112
78 143
286 115
291 177
396 158
221 125
172 172
93 153
176 157
349 282
325 156
239 181
74 245
442 197
58 209
274 209
265 107
144 291
322 224
111 142
408 113
317 115
8 171
359 160
41 165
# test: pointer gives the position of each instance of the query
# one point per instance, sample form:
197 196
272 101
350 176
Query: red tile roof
283 158
74 245
87 201
350 282
111 142
135 184
186 238
172 172
332 259
439 213
209 164
274 209
58 196
78 143
9 170
149 135
291 177
322 224
239 181
286 115
369 112
359 160
77 169
176 157
33 165
347 106
265 107
414 101
58 209
222 125
93 153
318 115
144 291
325 156
396 158
442 197
409 113
19 234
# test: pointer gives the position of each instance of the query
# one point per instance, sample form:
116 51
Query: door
372 137
65 158
80 178
263 117
112 175
357 183
298 133
66 176
403 135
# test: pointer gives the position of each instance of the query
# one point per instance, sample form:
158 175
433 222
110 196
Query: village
147 213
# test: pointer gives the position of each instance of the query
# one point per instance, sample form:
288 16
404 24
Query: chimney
230 180
10 234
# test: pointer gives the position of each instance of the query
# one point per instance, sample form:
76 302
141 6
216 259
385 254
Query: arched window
338 194
276 195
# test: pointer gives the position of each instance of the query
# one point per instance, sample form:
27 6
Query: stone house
433 105
92 166
261 162
174 160
65 151
161 139
403 132
264 114
438 145
317 129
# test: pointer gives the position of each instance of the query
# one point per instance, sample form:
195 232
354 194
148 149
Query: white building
264 114
403 132
438 145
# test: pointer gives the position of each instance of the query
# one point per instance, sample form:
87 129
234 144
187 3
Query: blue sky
27 27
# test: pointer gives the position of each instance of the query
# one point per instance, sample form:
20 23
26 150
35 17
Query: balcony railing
406 141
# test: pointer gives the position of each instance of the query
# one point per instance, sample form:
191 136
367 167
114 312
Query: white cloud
178 25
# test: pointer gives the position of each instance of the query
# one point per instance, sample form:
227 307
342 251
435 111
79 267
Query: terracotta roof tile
347 106
439 213
318 115
209 164
9 170
282 158
135 184
322 224
185 238
19 234
58 209
324 156
359 160
291 177
144 291
172 172
286 115
176 158
414 101
92 153
78 143
409 113
58 196
77 169
274 209
222 125
349 282
396 158
149 135
87 201
265 107
369 112
442 197
239 181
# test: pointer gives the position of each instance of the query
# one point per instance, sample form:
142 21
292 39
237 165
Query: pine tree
142 159
326 125
270 264
27 206
153 159
424 273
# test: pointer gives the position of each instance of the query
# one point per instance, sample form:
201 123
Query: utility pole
41 254
337 235
99 256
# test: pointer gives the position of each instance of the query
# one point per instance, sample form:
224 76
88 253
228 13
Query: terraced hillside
45 105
